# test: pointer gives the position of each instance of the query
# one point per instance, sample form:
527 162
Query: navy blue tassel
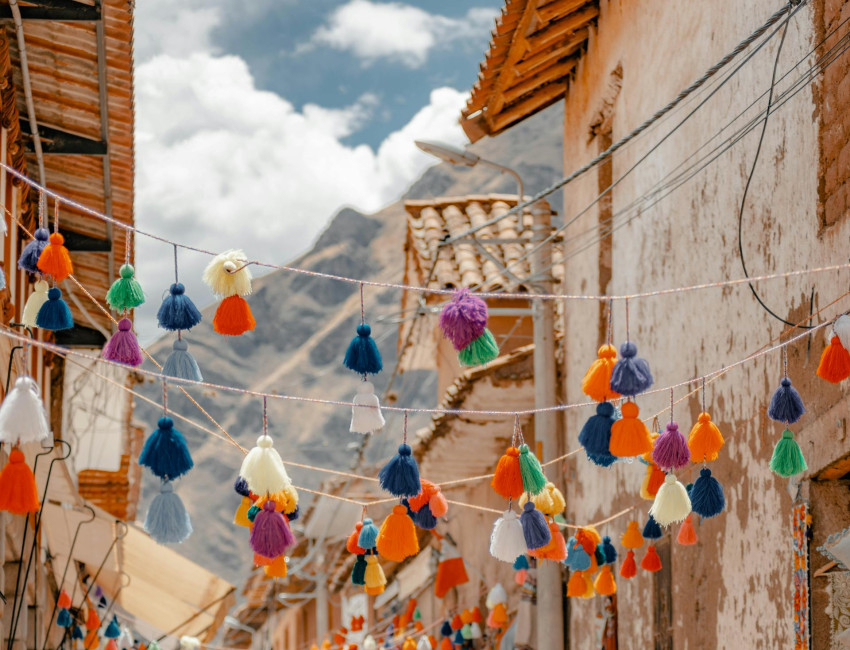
292 516
358 573
78 633
63 619
424 518
609 550
165 452
631 374
595 435
362 355
113 630
400 476
28 259
252 512
652 530
786 405
167 521
458 638
707 498
534 527
446 629
410 512
54 314
177 311
602 460
241 487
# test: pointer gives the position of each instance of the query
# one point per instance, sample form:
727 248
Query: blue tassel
786 405
167 521
165 452
410 512
368 535
599 555
358 573
602 460
534 527
520 563
63 619
252 512
177 311
707 498
608 550
595 435
292 516
78 633
458 638
113 630
424 519
180 364
102 604
446 629
577 558
652 530
400 476
28 259
631 374
241 487
54 314
362 355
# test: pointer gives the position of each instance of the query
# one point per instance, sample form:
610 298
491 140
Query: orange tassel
432 641
64 600
233 316
451 572
628 569
54 259
555 550
687 535
397 537
654 480
597 380
261 560
632 538
605 584
499 615
111 645
426 491
834 363
374 591
438 504
92 641
351 545
241 516
476 615
705 439
18 493
277 569
651 562
589 538
446 643
520 576
92 619
507 480
588 586
575 586
629 436
466 617
457 622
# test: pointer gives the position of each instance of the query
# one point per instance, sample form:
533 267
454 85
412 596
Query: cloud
374 30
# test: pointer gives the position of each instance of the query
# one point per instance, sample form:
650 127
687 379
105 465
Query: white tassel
672 503
228 275
424 643
496 595
507 541
263 469
367 417
189 643
841 329
475 630
34 303
369 643
22 415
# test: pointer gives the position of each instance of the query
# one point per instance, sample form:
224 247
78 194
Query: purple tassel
671 449
123 346
271 536
534 527
463 319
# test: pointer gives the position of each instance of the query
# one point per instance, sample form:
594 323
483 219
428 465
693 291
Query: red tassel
628 569
507 480
834 363
651 562
18 493
450 573
64 600
92 620
687 535
233 317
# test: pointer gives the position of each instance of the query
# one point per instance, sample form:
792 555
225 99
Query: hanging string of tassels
363 357
229 278
124 294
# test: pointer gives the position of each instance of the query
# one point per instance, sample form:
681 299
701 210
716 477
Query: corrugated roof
533 50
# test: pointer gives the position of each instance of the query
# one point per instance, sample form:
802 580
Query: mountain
304 324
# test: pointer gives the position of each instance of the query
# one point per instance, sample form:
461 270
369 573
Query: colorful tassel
271 535
28 259
228 274
77 634
482 350
595 435
549 501
605 585
233 317
633 538
18 493
263 468
507 541
54 315
575 585
841 329
123 347
54 259
629 435
651 562
34 304
351 544
374 576
366 416
177 311
424 518
653 480
362 355
22 415
92 620
707 498
496 595
400 476
463 319
834 364
241 516
705 439
167 521
165 452
126 292
671 503
671 449
92 640
556 549
787 459
631 374
520 563
652 530
577 558
368 537
507 479
180 364
534 527
533 479
63 618
451 573
277 568
358 573
240 486
597 380
63 601
113 630
687 536
786 405
397 537
608 550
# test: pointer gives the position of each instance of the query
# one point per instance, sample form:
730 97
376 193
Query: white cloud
374 30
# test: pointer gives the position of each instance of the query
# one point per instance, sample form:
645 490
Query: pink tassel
123 346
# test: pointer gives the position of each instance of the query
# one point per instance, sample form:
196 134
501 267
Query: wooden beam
551 34
544 97
60 10
515 53
545 56
559 9
547 75
54 141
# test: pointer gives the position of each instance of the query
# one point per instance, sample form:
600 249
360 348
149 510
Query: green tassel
787 458
358 574
533 479
482 350
125 292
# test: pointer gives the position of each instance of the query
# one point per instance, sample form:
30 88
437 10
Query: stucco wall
734 588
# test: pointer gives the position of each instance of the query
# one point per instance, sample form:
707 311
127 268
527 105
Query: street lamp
462 158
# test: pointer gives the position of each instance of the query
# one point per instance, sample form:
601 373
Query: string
127 237
164 399
362 308
56 215
265 418
610 320
404 440
703 391
176 279
671 405
42 208
784 362
627 320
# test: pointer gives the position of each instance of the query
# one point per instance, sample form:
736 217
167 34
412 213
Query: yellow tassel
374 577
241 516
550 501
588 586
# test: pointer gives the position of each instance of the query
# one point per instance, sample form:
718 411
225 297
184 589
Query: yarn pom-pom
787 459
533 479
507 540
834 364
507 479
366 416
28 259
54 315
629 435
651 562
687 536
177 311
671 449
605 585
707 498
652 530
633 538
597 380
18 493
482 350
672 503
233 317
165 452
362 355
705 439
228 274
123 347
400 476
786 405
534 527
22 415
180 364
55 259
397 537
126 292
358 573
463 319
271 535
34 303
167 520
263 469
631 374
595 435
628 569
368 536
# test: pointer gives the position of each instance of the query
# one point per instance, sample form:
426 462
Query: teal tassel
533 479
482 350
787 457
358 574
54 315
